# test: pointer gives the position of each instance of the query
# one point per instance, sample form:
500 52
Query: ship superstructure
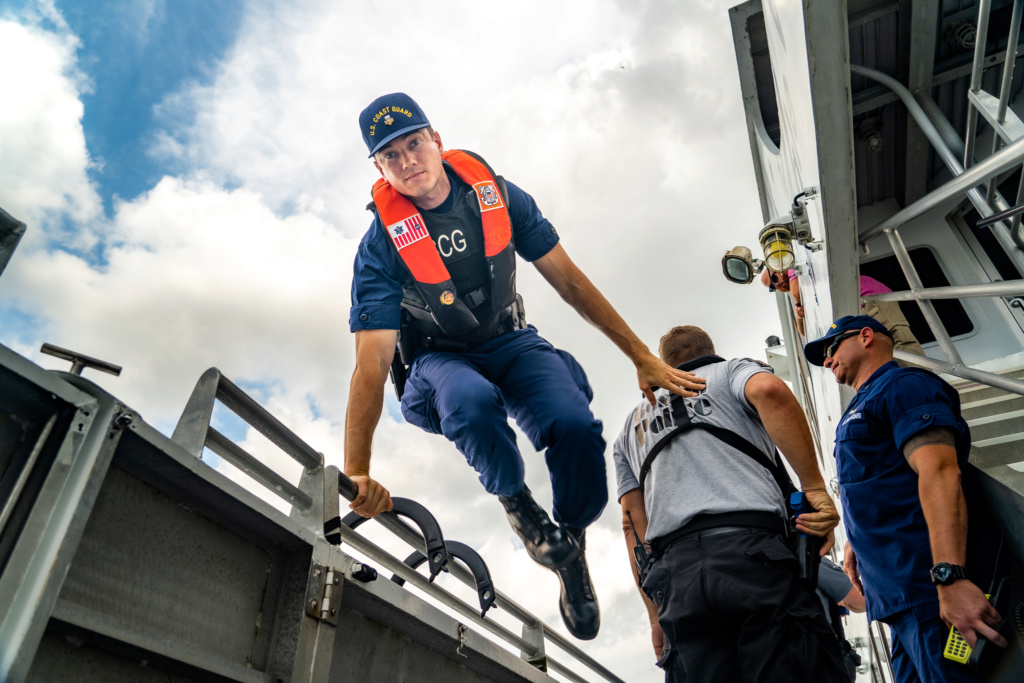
883 135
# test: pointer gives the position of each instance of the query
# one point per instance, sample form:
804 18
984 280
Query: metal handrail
931 316
982 289
968 177
346 487
194 423
991 379
398 567
984 6
1004 88
936 132
194 432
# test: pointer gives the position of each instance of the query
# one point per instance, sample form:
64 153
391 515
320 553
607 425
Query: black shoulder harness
683 424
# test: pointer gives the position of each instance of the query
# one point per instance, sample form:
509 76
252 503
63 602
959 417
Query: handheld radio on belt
641 558
807 547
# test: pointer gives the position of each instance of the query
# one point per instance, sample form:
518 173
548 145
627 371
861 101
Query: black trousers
732 609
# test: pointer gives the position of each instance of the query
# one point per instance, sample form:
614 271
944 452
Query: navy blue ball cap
389 116
815 351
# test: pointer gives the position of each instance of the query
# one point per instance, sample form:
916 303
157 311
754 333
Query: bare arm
794 291
851 570
854 601
961 604
784 420
580 293
374 351
633 503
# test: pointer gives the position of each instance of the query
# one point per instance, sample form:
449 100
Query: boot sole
570 558
579 635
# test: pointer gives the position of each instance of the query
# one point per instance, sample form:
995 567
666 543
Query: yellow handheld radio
957 648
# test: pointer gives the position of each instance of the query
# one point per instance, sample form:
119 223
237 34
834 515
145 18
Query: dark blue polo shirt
878 488
378 273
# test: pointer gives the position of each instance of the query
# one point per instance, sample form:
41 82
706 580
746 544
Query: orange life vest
408 233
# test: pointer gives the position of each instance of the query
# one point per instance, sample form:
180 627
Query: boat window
1003 263
951 312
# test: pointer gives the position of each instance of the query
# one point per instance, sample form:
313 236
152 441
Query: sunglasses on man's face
831 350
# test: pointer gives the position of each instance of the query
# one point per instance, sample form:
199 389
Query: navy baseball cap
389 116
815 351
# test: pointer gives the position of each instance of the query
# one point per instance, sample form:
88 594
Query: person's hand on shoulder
653 373
823 521
962 604
372 498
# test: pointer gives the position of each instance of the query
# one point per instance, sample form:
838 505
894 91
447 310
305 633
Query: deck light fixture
777 241
740 266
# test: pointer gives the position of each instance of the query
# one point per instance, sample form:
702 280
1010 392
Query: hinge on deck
323 594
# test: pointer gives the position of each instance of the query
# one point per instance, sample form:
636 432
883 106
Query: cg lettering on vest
449 244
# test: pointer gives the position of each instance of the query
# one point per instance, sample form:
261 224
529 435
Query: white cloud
43 155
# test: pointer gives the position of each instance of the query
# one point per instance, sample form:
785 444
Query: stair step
995 441
990 401
998 417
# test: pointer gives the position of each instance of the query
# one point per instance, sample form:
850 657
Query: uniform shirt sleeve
376 284
832 581
915 402
534 234
740 372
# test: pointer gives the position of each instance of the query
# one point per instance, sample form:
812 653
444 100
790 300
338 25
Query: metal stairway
996 419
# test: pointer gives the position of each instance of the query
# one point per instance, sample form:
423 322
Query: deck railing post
971 134
927 308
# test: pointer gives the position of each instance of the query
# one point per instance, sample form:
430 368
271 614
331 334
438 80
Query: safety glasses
831 350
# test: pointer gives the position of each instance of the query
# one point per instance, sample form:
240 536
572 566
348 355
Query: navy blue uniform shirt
378 273
878 488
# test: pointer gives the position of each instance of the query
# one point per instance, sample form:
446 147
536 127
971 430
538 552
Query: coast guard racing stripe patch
407 231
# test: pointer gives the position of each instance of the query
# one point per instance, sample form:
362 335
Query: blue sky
149 51
194 184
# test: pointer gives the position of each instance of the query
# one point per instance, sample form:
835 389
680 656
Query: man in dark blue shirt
900 447
472 360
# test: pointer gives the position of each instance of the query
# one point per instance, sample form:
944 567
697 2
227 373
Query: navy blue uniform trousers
918 640
468 397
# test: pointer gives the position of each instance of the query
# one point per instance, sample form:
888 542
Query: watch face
942 573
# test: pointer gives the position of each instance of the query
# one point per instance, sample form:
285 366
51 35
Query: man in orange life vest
438 263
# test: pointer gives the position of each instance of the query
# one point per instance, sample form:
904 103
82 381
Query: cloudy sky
194 184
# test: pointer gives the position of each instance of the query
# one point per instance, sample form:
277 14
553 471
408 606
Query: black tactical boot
578 603
548 544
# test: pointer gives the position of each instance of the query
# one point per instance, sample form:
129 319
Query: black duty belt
751 519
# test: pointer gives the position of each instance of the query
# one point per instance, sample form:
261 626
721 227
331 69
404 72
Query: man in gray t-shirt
724 598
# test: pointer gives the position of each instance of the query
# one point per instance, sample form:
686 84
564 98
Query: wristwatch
945 573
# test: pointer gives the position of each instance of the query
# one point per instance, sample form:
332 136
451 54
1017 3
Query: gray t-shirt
833 584
697 473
